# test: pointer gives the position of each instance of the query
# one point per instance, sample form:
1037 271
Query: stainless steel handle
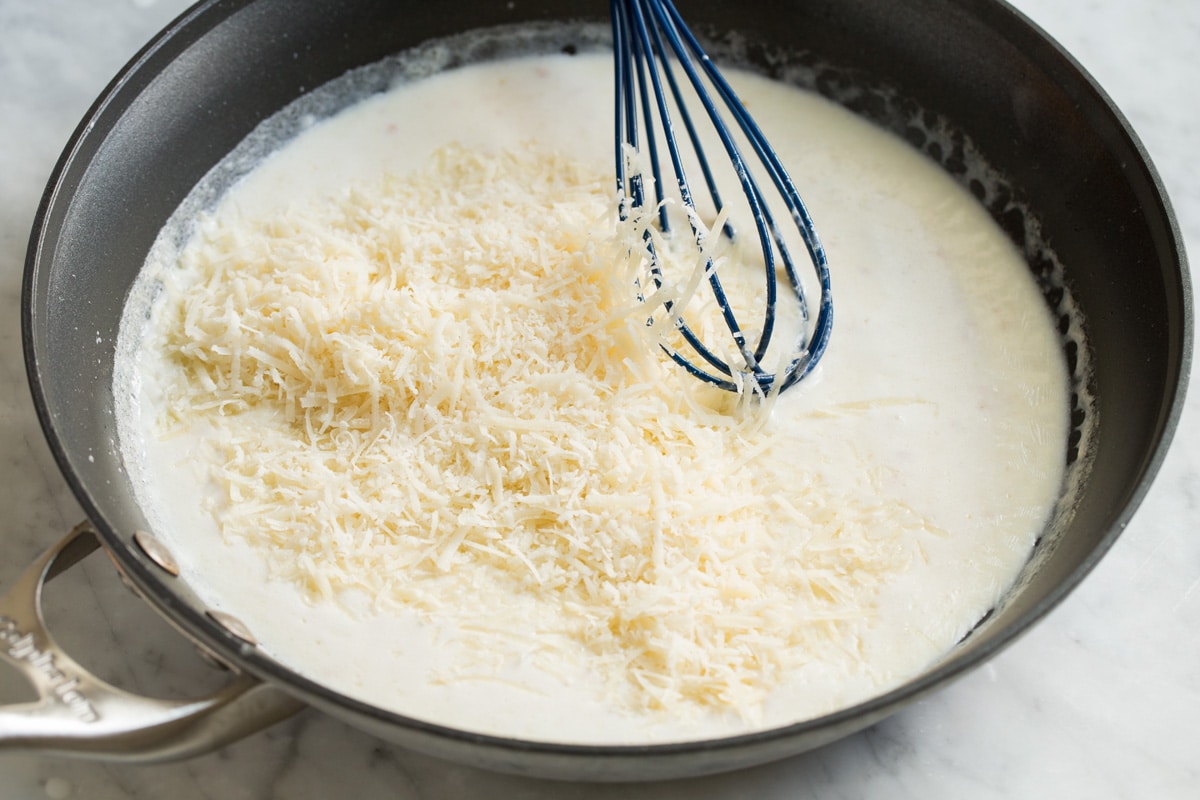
79 714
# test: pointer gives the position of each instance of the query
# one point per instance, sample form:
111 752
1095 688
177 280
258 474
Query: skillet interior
195 92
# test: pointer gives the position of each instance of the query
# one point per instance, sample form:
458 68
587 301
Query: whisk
650 43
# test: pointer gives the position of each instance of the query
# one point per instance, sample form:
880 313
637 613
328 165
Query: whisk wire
626 115
643 32
770 161
670 27
645 43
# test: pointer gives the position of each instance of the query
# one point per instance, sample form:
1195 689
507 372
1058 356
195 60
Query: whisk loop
650 40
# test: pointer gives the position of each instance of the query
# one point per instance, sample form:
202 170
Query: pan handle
79 714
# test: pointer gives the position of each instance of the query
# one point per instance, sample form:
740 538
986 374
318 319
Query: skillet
1069 163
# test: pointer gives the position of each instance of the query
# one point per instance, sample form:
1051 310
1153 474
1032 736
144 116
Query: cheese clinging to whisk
438 390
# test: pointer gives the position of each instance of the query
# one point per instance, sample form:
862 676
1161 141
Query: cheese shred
439 391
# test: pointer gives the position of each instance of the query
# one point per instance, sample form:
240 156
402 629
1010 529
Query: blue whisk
650 43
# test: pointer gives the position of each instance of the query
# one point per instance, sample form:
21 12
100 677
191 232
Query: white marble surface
1102 700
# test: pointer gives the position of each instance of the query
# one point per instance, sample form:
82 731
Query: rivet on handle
157 552
233 625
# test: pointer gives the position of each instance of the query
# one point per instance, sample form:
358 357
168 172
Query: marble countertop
1101 700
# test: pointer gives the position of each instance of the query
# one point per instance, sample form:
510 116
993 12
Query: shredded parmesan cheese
438 391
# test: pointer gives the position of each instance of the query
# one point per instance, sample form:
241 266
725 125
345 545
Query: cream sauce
944 376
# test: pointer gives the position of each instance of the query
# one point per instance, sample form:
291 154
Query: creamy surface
944 380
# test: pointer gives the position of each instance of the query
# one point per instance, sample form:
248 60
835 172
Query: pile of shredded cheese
438 390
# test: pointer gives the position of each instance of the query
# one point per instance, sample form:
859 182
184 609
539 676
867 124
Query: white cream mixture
944 381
